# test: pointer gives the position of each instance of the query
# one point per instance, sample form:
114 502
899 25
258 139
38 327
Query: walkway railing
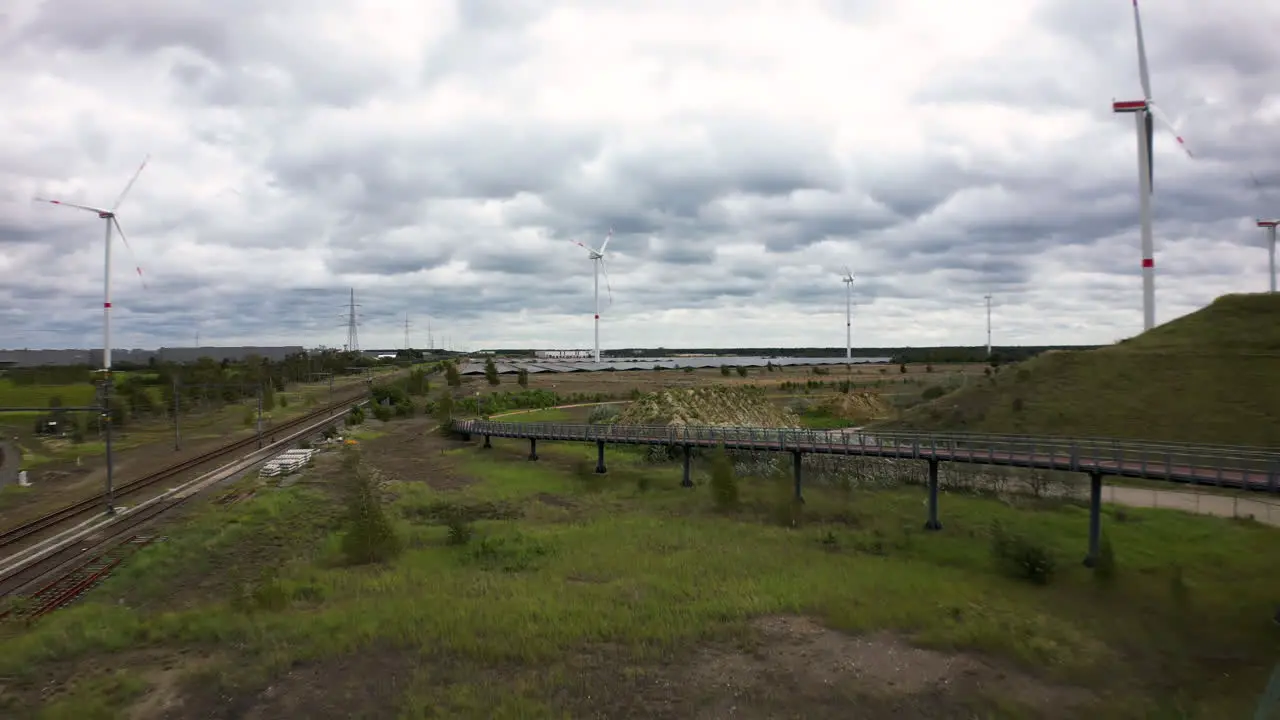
1223 466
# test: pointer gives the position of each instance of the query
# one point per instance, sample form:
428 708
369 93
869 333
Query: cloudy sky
439 156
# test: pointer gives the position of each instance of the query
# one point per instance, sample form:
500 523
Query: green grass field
1207 378
578 593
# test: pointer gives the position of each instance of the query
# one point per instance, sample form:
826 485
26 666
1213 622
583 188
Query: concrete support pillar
600 468
487 444
533 448
1095 518
932 523
796 457
688 456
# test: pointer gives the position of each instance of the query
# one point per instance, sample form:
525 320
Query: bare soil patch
366 684
413 451
795 668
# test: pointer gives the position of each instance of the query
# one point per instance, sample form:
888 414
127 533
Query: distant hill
1212 376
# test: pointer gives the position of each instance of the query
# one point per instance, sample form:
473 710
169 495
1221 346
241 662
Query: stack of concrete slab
287 462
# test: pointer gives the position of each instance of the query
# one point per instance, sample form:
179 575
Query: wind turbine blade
132 257
132 180
607 286
100 211
607 238
1142 54
583 246
1164 119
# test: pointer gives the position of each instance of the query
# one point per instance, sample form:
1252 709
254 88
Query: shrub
355 417
603 414
932 392
724 486
902 368
451 375
688 369
370 536
460 530
724 370
383 413
491 372
522 378
1020 557
742 371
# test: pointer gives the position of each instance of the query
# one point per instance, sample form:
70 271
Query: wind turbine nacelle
1268 223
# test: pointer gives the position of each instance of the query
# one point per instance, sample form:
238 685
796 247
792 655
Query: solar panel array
508 366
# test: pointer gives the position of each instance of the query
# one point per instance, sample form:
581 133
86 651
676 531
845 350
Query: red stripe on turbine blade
106 305
1129 106
1148 263
597 316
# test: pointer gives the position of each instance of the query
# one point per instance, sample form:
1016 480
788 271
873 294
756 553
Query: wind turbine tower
1270 225
1143 111
406 330
988 299
848 313
597 261
109 216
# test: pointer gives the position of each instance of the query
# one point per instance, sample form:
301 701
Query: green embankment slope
1210 377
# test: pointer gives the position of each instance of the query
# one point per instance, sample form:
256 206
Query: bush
370 536
724 370
724 486
460 530
383 413
451 375
932 392
355 417
603 414
491 372
1020 557
522 378
742 371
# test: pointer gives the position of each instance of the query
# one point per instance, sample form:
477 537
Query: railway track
54 577
12 536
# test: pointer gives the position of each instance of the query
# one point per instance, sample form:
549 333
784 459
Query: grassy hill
1212 376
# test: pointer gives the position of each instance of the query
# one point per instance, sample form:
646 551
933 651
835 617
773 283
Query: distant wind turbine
1143 111
847 279
110 217
597 261
1270 226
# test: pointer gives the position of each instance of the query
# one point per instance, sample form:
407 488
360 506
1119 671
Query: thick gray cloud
438 157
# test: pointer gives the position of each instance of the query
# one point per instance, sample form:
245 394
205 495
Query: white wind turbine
1270 226
110 217
1143 111
597 261
847 279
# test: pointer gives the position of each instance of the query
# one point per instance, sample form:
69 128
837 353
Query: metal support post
177 409
106 418
1095 518
533 448
600 468
259 417
932 523
687 481
796 457
487 445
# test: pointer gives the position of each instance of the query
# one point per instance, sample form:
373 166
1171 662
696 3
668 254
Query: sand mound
711 405
859 407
